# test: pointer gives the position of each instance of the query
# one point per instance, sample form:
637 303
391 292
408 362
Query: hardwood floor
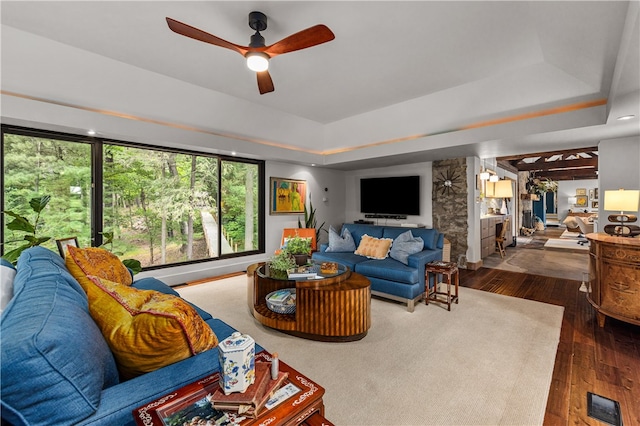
605 361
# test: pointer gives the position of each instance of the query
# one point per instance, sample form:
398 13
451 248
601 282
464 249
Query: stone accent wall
450 206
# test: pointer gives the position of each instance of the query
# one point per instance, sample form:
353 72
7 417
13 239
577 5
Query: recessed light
91 132
233 153
626 117
313 164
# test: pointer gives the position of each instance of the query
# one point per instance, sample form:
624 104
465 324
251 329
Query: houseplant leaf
133 264
38 204
19 223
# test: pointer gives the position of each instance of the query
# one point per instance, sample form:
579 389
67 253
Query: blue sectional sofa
57 367
389 277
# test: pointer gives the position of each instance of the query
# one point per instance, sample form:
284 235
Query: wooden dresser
614 275
489 227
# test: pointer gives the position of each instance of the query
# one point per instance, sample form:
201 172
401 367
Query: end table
450 269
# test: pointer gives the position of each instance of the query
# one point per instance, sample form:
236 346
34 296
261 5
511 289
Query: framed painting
581 201
287 196
63 243
594 204
592 194
581 191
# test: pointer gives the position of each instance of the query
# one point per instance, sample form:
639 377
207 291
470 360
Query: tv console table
332 309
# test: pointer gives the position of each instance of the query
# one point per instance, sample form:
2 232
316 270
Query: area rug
487 362
565 264
524 240
565 244
572 235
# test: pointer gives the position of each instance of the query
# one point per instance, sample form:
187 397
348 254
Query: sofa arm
419 261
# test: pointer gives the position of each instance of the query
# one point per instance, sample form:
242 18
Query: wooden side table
450 269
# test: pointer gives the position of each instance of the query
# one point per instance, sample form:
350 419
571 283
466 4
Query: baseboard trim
474 266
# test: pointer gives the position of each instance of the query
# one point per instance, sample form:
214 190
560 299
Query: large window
161 206
37 166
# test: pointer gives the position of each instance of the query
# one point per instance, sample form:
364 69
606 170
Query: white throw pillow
7 274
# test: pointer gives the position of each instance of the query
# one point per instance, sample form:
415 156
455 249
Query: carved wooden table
614 277
450 269
303 408
331 309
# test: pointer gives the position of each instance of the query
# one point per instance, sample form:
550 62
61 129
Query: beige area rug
487 362
565 244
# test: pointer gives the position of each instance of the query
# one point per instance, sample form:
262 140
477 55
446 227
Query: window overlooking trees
35 166
161 206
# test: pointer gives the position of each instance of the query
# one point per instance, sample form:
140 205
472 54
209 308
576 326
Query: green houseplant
280 263
310 220
299 248
21 223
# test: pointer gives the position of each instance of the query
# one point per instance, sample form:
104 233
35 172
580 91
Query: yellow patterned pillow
374 248
98 262
146 329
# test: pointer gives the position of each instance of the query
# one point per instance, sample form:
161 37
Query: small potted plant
299 248
280 264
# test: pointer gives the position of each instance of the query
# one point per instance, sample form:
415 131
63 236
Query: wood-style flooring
605 361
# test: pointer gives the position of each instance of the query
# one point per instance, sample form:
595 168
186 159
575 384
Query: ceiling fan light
257 61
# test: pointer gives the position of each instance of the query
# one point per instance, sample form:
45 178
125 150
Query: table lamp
622 200
503 190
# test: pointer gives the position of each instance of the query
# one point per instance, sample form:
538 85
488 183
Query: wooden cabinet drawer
620 290
622 254
488 246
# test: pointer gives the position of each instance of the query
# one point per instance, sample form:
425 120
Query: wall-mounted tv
390 195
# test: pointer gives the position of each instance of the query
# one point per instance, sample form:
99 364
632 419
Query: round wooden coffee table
331 309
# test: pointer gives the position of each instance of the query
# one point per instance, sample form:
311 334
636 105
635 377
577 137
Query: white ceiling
498 59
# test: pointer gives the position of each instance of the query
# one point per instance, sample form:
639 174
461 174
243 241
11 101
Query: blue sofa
390 278
57 367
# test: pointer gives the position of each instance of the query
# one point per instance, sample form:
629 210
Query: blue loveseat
57 367
389 277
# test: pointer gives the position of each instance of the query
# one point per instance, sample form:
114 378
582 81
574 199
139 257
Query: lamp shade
503 189
622 200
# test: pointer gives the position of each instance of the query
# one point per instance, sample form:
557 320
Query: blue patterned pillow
405 245
340 243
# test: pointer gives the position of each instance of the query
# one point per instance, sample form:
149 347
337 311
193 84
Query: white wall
330 211
474 210
352 200
567 188
619 165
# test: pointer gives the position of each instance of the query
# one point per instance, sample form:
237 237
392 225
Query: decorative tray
282 301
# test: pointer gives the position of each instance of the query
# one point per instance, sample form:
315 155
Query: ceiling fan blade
310 37
194 33
265 84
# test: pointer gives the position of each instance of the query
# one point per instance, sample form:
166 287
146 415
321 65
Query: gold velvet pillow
374 248
146 329
98 262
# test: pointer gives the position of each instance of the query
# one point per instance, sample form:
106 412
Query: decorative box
237 360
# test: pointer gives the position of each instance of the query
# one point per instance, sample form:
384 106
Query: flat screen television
390 195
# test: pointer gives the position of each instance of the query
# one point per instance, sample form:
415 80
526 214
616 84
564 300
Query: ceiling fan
257 54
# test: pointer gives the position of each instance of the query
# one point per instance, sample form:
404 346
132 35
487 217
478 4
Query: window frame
97 163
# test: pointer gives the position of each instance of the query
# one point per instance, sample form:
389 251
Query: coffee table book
251 402
193 397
